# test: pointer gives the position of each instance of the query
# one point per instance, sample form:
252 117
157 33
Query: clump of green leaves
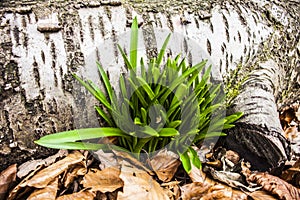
158 106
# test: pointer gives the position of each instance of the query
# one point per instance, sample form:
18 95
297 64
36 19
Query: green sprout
158 106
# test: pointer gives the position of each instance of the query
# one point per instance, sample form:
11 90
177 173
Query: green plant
166 106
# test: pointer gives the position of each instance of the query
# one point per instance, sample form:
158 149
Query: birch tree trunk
44 42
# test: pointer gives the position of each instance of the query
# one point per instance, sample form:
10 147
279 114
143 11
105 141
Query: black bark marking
225 21
190 59
97 54
16 33
211 26
108 12
25 40
101 26
227 62
80 31
111 2
245 50
36 73
169 22
221 63
91 28
114 38
55 79
255 20
196 22
242 20
43 56
52 51
227 35
239 36
208 46
160 23
185 45
231 58
53 65
222 49
23 22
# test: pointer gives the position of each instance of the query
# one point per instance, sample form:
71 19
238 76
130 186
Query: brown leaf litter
121 176
7 179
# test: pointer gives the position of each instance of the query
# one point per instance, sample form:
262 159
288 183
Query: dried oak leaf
19 190
106 180
126 156
139 184
47 193
292 175
258 195
27 167
165 164
222 191
72 174
82 195
172 188
195 189
7 178
43 177
107 159
275 186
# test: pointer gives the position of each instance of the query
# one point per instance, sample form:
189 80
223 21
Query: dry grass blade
138 184
165 164
47 193
7 177
276 186
82 195
104 181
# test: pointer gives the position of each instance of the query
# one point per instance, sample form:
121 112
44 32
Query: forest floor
113 175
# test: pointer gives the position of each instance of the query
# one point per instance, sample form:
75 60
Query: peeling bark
44 42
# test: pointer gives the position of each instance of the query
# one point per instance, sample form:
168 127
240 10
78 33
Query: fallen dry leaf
197 175
15 193
298 113
276 186
107 159
165 164
195 189
72 174
82 195
292 175
291 132
43 177
123 155
259 195
47 193
106 180
27 167
218 192
172 189
139 184
7 178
